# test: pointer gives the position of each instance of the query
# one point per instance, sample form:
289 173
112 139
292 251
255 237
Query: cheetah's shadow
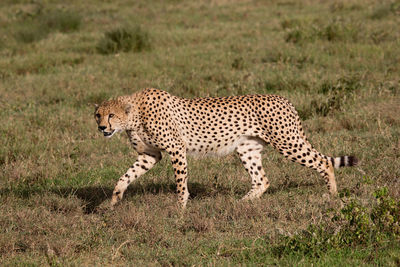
94 196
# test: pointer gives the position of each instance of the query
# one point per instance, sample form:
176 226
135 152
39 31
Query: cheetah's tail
344 161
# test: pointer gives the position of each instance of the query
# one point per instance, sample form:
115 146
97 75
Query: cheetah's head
111 117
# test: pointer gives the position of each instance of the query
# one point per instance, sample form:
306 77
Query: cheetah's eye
98 116
111 115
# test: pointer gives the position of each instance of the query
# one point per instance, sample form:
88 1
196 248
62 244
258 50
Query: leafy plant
124 40
355 224
387 213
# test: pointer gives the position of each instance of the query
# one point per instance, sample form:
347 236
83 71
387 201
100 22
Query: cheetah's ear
127 108
96 106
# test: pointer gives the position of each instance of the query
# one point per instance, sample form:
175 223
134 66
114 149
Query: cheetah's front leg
143 163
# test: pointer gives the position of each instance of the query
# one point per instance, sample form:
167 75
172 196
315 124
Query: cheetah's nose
102 128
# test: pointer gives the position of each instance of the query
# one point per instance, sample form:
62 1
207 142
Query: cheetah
157 121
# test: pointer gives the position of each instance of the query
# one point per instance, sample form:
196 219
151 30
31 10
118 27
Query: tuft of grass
380 12
337 32
296 35
297 60
309 32
238 63
344 85
38 27
385 10
280 83
62 21
29 32
124 39
336 95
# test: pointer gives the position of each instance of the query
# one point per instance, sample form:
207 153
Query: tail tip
344 161
353 160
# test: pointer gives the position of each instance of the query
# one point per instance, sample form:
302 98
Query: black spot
144 168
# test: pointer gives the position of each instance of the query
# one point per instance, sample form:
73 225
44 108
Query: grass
337 62
124 40
39 25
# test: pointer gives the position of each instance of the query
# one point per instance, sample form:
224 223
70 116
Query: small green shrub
387 213
332 32
336 93
297 35
124 40
238 63
323 108
338 31
297 31
289 23
355 224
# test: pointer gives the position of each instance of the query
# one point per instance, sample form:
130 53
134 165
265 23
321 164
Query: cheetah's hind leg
300 151
250 154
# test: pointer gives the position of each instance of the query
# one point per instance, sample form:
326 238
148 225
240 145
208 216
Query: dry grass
57 172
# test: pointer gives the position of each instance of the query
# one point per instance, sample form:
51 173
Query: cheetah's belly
214 149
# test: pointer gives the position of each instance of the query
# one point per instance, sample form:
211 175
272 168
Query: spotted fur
156 121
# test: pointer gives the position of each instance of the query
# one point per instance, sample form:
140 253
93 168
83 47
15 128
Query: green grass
124 40
34 27
337 62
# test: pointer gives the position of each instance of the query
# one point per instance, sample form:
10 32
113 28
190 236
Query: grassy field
337 61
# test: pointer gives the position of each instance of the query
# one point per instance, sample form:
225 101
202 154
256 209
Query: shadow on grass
94 196
289 186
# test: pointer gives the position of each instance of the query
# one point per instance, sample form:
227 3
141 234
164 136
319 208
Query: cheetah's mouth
108 134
